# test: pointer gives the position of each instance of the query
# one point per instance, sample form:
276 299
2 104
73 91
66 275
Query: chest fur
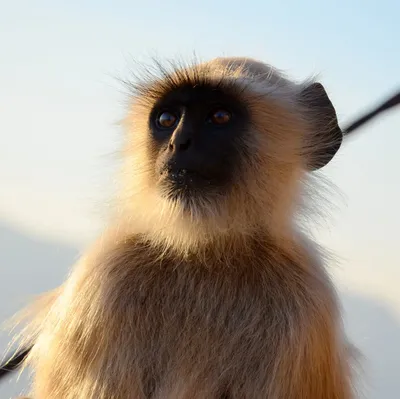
174 299
183 319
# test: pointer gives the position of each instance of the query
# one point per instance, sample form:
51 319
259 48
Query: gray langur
204 286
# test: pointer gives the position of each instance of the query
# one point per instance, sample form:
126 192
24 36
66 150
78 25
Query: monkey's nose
180 144
181 141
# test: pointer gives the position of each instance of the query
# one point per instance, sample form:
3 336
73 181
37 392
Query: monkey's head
220 148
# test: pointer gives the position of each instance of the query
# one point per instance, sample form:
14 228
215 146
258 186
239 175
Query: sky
60 102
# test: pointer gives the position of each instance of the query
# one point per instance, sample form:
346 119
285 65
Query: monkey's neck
222 249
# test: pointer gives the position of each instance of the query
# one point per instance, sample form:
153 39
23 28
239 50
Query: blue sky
59 103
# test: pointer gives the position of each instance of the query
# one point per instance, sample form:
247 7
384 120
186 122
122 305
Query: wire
385 106
14 361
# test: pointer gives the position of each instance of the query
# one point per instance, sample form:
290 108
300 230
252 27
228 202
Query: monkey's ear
326 136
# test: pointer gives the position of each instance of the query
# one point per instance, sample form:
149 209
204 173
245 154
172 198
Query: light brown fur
230 301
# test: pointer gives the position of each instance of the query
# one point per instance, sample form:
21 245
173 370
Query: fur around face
228 301
267 187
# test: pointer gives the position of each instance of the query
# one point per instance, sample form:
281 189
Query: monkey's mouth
185 178
184 184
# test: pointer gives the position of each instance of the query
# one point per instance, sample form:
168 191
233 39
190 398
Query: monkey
204 284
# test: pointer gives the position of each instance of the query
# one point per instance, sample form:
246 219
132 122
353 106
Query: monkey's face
222 147
197 143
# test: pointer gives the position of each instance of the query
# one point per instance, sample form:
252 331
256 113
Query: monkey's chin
187 199
189 193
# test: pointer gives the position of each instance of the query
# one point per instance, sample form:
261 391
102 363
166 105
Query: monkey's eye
220 116
167 120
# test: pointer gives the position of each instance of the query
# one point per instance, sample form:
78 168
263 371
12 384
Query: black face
197 132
